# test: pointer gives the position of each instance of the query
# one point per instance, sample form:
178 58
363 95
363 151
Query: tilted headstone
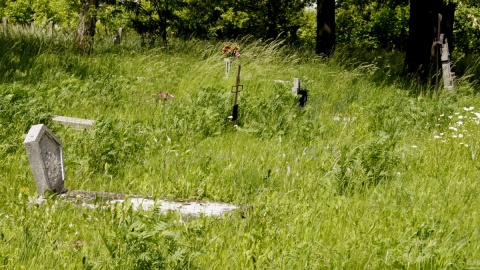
45 154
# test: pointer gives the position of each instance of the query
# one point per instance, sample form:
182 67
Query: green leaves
145 240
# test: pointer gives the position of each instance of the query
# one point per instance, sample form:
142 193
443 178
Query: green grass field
374 172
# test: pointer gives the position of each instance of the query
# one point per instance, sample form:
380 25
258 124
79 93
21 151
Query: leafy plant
366 165
145 241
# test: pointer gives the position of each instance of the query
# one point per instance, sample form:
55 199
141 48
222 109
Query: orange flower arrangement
231 50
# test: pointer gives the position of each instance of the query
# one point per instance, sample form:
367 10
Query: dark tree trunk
163 12
325 39
272 31
86 26
448 14
420 57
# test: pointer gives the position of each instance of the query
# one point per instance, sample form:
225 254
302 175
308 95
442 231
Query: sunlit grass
367 175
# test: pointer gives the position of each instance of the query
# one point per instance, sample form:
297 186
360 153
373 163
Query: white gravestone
45 155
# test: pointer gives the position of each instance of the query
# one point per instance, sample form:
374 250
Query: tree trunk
272 12
86 27
325 39
421 57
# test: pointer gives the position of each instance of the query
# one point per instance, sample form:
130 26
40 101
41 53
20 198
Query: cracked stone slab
191 208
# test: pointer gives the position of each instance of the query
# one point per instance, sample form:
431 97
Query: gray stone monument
45 155
448 82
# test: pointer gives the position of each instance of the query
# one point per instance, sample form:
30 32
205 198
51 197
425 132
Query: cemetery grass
374 172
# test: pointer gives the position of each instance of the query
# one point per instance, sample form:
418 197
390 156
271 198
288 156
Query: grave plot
45 154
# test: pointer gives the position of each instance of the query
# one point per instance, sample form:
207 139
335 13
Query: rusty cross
237 88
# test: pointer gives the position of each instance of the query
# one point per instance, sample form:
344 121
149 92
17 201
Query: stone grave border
45 154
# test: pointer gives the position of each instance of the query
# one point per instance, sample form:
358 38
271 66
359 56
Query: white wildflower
477 115
460 135
414 146
437 137
453 128
468 109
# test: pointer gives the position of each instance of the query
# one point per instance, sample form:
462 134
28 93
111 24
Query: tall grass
367 175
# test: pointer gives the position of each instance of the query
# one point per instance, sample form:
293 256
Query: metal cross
237 88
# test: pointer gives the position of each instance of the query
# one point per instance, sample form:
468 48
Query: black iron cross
237 88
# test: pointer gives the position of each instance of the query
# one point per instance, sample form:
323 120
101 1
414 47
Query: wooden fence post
51 26
5 25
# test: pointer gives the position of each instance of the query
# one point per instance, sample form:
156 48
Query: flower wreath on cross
231 50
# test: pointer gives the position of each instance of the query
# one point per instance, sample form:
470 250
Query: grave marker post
446 70
296 86
298 91
45 154
228 65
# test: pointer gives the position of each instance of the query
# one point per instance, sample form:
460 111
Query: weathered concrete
45 154
191 208
75 123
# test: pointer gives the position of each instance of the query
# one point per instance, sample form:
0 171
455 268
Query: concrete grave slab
193 208
45 154
75 123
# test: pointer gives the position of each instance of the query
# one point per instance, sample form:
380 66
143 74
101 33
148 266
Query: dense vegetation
373 172
369 24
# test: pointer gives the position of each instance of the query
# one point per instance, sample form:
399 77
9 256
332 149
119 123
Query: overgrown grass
367 175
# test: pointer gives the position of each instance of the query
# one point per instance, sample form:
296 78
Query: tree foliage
378 24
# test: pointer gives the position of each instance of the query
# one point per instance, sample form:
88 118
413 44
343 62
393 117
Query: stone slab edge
75 123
